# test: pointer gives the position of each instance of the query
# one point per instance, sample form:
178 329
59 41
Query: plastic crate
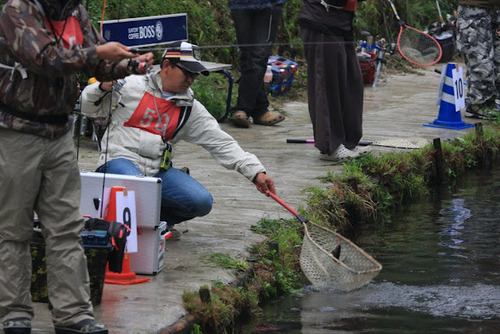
284 72
97 248
95 238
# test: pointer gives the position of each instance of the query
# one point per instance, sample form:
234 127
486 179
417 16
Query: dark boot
88 326
17 326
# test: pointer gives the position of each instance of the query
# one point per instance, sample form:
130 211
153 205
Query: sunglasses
186 72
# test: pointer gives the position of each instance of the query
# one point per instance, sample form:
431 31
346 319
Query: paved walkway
394 112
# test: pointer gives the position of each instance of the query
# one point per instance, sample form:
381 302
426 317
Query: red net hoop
418 47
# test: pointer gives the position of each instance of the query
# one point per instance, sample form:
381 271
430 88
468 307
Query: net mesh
418 47
353 269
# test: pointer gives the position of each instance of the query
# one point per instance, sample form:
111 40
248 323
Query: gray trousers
335 90
42 175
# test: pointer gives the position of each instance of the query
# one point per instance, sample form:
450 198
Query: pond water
441 272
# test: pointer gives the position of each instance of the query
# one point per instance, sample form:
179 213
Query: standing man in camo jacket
43 45
478 27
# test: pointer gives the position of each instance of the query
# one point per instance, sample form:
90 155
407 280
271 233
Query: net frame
353 269
415 45
418 47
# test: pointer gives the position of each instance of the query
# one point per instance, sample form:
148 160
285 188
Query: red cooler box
367 64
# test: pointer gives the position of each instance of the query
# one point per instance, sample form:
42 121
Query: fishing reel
392 48
117 88
137 67
118 85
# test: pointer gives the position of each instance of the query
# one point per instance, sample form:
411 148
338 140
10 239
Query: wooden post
274 246
479 130
438 159
204 293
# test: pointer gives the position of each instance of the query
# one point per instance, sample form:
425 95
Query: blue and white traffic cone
448 117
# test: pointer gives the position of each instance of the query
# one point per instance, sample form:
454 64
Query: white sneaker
340 154
362 149
176 235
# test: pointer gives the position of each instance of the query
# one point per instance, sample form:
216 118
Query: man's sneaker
17 326
341 153
176 235
269 118
240 119
486 115
185 170
362 149
487 110
88 326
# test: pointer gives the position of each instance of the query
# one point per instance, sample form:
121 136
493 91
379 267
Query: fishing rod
221 46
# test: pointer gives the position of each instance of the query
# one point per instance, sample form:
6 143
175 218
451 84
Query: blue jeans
183 197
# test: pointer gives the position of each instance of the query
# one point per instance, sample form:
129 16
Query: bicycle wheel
378 72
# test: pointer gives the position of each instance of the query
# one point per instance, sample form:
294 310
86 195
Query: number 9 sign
126 214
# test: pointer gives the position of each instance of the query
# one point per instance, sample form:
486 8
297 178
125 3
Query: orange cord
102 18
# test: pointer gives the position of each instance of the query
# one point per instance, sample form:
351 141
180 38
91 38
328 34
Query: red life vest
69 31
159 117
350 5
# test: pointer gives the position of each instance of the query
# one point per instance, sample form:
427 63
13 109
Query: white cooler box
150 231
151 244
147 195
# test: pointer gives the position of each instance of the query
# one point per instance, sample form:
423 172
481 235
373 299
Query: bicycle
366 57
381 48
371 57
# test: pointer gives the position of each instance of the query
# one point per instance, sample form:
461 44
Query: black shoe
17 326
176 235
185 170
488 110
240 119
486 116
88 326
474 115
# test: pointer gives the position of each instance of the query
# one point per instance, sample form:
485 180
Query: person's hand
146 58
106 85
264 184
114 51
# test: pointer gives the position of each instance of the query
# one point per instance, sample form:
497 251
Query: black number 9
127 217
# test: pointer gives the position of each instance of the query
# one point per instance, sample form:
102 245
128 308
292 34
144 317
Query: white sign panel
458 89
126 214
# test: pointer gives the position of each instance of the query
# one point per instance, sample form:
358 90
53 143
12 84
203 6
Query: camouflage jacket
38 75
489 4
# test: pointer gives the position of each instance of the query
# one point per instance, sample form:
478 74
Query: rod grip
300 141
294 212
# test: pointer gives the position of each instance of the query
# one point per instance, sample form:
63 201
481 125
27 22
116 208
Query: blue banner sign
147 31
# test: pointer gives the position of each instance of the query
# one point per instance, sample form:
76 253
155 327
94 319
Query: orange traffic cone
127 276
